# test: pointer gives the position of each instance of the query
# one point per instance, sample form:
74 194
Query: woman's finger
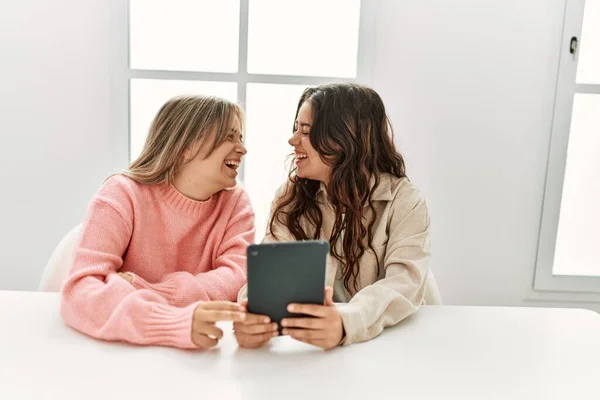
254 329
221 305
125 276
215 316
253 341
307 334
306 323
209 330
252 319
203 341
329 296
314 310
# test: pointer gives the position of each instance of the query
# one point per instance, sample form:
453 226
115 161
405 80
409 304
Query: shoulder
406 196
117 187
403 188
283 189
121 192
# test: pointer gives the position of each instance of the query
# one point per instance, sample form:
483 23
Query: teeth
232 163
300 156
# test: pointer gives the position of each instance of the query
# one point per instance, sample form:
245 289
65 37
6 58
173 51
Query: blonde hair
181 124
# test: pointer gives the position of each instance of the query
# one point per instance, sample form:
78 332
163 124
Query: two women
164 243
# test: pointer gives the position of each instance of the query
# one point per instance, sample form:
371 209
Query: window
569 248
148 95
260 53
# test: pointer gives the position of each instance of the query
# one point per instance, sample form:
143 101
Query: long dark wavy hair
353 135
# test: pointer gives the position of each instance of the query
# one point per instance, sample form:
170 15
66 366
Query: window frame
124 73
586 288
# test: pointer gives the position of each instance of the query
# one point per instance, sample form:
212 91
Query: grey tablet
284 273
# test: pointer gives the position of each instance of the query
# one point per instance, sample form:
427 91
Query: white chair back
58 266
433 297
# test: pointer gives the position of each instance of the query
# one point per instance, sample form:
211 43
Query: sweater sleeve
99 303
406 262
229 268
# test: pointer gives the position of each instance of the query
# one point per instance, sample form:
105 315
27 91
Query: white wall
56 140
469 86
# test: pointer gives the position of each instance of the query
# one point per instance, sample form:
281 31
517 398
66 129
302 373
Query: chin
231 187
228 183
302 174
305 176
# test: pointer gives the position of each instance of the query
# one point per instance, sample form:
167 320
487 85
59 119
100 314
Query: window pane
184 35
310 37
577 247
588 67
148 96
270 113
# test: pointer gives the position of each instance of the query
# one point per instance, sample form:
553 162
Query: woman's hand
326 330
126 276
254 331
205 333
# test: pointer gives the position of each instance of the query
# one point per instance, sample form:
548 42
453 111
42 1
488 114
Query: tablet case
284 273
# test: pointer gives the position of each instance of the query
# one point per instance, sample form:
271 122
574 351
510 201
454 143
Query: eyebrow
303 124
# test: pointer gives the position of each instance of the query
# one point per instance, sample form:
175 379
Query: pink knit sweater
179 252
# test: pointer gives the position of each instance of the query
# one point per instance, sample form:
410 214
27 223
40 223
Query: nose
294 140
241 149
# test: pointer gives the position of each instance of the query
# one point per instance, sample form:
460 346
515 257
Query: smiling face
308 162
211 172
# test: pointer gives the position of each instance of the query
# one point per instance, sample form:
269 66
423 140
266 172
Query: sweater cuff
352 323
171 325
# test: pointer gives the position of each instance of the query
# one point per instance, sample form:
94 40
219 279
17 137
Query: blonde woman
162 253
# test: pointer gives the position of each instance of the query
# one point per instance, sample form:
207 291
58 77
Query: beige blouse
401 241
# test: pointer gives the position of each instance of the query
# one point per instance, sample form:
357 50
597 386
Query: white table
440 353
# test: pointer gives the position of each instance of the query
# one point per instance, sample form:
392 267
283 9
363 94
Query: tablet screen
284 273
